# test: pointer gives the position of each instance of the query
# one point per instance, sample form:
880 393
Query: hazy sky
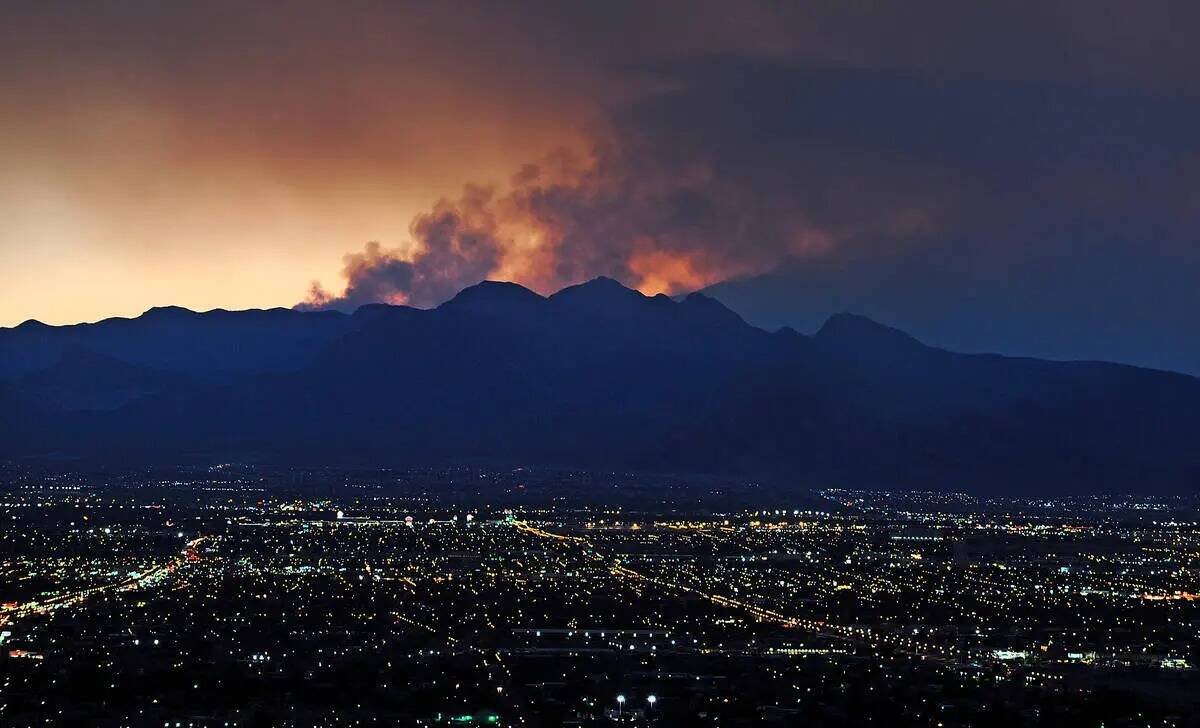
228 154
957 168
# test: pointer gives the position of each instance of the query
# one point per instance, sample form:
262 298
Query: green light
486 717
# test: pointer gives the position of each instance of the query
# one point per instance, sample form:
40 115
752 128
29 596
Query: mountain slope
211 345
599 375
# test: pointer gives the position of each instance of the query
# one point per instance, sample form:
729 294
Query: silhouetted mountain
210 345
83 381
497 299
846 331
596 375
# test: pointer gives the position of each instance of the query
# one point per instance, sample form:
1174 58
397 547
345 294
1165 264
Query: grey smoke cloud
456 244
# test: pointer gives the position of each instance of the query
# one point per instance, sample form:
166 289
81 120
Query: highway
42 606
857 635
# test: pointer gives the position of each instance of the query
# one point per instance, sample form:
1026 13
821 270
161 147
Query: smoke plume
660 206
455 243
732 168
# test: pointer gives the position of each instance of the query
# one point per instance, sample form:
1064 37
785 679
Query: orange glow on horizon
662 271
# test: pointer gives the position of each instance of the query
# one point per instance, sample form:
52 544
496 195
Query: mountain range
594 376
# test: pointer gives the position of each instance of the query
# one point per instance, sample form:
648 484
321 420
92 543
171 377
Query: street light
652 700
620 703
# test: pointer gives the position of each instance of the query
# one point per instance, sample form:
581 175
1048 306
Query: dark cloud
1066 227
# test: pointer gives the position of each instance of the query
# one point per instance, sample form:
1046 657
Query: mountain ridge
597 375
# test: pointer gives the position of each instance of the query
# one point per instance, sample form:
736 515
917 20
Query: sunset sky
1023 177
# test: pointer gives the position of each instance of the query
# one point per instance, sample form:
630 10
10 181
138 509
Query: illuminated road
860 635
44 606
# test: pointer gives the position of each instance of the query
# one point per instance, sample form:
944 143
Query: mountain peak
493 291
598 291
710 310
165 312
849 328
605 282
496 298
31 325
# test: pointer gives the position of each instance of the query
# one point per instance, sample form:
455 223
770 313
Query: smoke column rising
657 210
